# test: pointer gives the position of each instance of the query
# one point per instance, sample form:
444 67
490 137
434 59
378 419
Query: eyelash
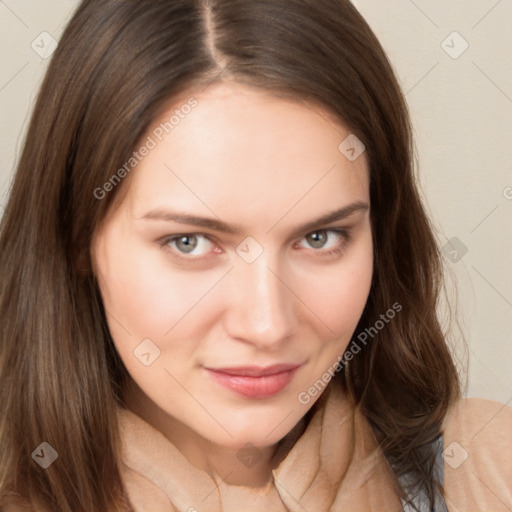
346 236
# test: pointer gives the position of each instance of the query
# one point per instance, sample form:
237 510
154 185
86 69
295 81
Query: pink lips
255 382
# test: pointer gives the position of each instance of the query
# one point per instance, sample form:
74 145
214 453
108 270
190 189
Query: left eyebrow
334 216
218 225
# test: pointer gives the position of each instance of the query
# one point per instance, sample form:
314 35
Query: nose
261 306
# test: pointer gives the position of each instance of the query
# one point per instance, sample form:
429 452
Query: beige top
318 473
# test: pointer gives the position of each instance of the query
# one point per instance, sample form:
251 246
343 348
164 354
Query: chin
244 440
261 431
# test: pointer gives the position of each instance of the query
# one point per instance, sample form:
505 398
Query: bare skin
268 167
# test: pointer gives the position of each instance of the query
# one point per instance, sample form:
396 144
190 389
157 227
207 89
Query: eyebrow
220 226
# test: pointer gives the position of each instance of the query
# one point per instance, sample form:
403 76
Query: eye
196 246
330 240
188 244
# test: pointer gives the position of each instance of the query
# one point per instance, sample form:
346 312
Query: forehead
239 152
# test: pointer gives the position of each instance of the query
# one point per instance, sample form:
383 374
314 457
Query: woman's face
216 260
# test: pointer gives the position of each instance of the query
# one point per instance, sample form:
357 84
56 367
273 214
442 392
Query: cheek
337 295
146 299
147 295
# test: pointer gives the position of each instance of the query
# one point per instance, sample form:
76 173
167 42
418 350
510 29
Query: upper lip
256 371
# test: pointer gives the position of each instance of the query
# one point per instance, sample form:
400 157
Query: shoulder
477 455
483 425
475 410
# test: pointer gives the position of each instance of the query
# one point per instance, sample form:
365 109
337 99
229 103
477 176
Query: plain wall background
461 108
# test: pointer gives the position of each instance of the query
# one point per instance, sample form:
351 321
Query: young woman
219 284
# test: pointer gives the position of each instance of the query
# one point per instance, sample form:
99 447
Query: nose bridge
262 309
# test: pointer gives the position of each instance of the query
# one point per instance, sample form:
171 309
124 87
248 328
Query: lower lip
255 387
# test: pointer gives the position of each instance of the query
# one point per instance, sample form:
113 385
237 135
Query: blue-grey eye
186 243
318 239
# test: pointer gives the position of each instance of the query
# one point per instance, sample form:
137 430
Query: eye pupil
186 243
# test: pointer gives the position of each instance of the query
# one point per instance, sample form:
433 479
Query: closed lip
256 371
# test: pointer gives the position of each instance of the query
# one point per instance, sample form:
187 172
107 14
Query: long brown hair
118 64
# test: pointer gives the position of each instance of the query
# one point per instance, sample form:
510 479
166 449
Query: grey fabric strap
420 500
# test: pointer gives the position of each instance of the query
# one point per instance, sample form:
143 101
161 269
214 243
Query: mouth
253 381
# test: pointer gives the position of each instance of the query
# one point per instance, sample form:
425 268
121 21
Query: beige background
461 105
